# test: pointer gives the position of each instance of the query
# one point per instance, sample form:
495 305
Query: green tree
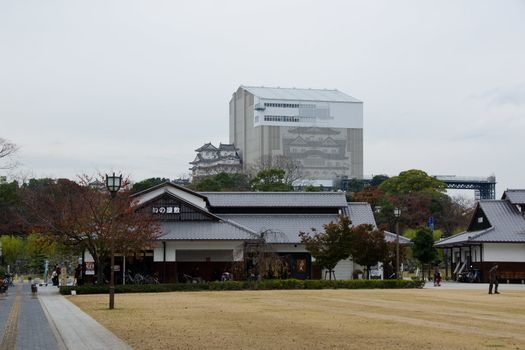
312 188
222 182
423 248
271 179
355 185
331 246
378 180
147 183
11 220
411 181
14 251
419 196
40 248
368 246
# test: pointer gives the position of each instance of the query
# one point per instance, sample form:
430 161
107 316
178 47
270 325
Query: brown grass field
315 319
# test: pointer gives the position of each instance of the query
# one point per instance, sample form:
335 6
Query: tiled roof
507 225
206 147
361 213
515 196
204 230
273 93
276 199
391 237
281 228
227 147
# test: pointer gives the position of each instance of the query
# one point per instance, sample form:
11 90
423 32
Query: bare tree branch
7 151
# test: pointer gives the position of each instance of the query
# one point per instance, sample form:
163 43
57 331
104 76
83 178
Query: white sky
137 86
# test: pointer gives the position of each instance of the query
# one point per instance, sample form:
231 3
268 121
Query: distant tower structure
321 129
211 160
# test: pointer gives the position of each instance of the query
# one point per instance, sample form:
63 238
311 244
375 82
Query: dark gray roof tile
277 199
204 230
515 196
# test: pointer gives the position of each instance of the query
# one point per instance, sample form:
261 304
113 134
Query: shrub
246 285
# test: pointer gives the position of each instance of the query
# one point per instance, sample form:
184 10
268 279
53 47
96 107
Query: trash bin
34 288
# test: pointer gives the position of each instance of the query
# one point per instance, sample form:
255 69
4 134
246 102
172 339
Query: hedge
245 285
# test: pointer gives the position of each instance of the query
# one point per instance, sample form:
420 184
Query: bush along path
246 285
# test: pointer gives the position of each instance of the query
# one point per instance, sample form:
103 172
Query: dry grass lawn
319 319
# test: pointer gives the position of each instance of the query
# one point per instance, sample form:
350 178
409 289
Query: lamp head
113 183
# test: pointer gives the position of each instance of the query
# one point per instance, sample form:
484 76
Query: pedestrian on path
55 275
493 279
78 275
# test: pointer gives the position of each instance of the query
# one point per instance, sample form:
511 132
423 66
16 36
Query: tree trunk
100 264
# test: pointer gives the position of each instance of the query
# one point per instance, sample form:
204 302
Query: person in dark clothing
493 279
55 276
79 275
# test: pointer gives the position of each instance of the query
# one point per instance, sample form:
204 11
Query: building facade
496 235
204 234
211 160
321 129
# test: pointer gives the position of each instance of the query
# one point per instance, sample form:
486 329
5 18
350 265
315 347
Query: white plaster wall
88 257
173 246
504 252
343 270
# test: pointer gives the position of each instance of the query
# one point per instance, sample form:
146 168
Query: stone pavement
49 321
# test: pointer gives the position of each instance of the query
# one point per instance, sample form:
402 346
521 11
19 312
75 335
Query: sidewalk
470 286
73 328
23 323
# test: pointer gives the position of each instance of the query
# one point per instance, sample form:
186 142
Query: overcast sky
137 86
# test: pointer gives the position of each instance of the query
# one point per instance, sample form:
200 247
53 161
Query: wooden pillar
482 263
164 261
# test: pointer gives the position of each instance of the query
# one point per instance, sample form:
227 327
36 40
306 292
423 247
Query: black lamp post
113 184
397 214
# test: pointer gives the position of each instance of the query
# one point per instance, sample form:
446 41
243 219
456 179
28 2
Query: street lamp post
397 214
113 184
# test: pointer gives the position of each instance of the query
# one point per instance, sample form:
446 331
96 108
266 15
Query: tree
13 251
371 195
222 182
293 169
378 180
7 151
147 183
271 179
11 220
84 217
419 195
368 246
331 246
423 248
355 185
262 261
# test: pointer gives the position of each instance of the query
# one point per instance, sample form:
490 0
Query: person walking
78 275
493 279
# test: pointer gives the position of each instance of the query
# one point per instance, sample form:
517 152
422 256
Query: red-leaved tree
81 214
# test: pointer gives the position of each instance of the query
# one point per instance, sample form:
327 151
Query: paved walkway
469 286
49 321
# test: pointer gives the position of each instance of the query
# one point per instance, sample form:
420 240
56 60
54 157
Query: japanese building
496 234
211 160
213 232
